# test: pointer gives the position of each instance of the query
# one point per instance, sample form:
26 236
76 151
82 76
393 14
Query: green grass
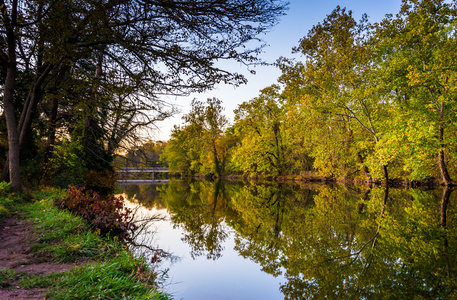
108 280
107 269
66 237
122 277
7 276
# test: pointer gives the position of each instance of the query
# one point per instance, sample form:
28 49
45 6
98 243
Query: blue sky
299 19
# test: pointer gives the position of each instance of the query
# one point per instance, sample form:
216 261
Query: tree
419 66
10 23
259 123
156 47
335 90
181 153
200 145
207 125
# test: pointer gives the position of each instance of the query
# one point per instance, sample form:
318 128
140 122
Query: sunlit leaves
418 50
260 125
332 93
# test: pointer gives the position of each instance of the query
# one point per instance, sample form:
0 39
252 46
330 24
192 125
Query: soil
16 239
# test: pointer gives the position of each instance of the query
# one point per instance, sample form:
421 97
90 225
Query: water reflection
327 241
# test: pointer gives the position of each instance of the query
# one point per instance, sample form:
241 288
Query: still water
271 241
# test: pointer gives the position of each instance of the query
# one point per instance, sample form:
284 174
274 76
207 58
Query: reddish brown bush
108 214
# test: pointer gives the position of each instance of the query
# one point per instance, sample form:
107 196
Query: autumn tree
334 89
141 156
259 124
181 153
418 48
203 132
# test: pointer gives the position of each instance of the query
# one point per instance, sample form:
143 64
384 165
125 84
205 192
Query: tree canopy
369 102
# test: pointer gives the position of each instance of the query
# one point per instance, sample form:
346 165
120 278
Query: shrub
66 164
108 214
6 199
5 188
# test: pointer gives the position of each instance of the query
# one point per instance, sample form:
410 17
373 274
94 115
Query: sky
299 19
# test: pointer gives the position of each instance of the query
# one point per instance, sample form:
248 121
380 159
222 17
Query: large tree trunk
443 168
441 157
24 126
442 162
13 137
28 112
8 98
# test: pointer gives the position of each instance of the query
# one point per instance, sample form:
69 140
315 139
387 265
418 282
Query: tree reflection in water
328 241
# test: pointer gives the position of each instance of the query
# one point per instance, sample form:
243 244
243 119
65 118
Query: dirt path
16 239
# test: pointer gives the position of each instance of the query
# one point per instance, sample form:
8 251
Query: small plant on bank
7 199
7 276
107 214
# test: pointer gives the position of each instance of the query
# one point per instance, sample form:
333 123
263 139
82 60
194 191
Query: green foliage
418 64
333 95
366 101
5 188
66 166
7 199
200 145
259 124
180 154
4 212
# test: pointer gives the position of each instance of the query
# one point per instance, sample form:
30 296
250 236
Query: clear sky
299 19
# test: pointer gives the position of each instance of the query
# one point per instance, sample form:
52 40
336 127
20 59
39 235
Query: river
284 241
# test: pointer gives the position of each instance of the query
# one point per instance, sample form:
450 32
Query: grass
106 267
119 278
7 276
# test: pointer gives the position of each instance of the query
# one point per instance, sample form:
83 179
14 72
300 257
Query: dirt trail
16 239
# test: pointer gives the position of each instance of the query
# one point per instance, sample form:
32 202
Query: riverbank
46 253
311 178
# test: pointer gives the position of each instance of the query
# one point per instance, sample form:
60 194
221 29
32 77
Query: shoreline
61 255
